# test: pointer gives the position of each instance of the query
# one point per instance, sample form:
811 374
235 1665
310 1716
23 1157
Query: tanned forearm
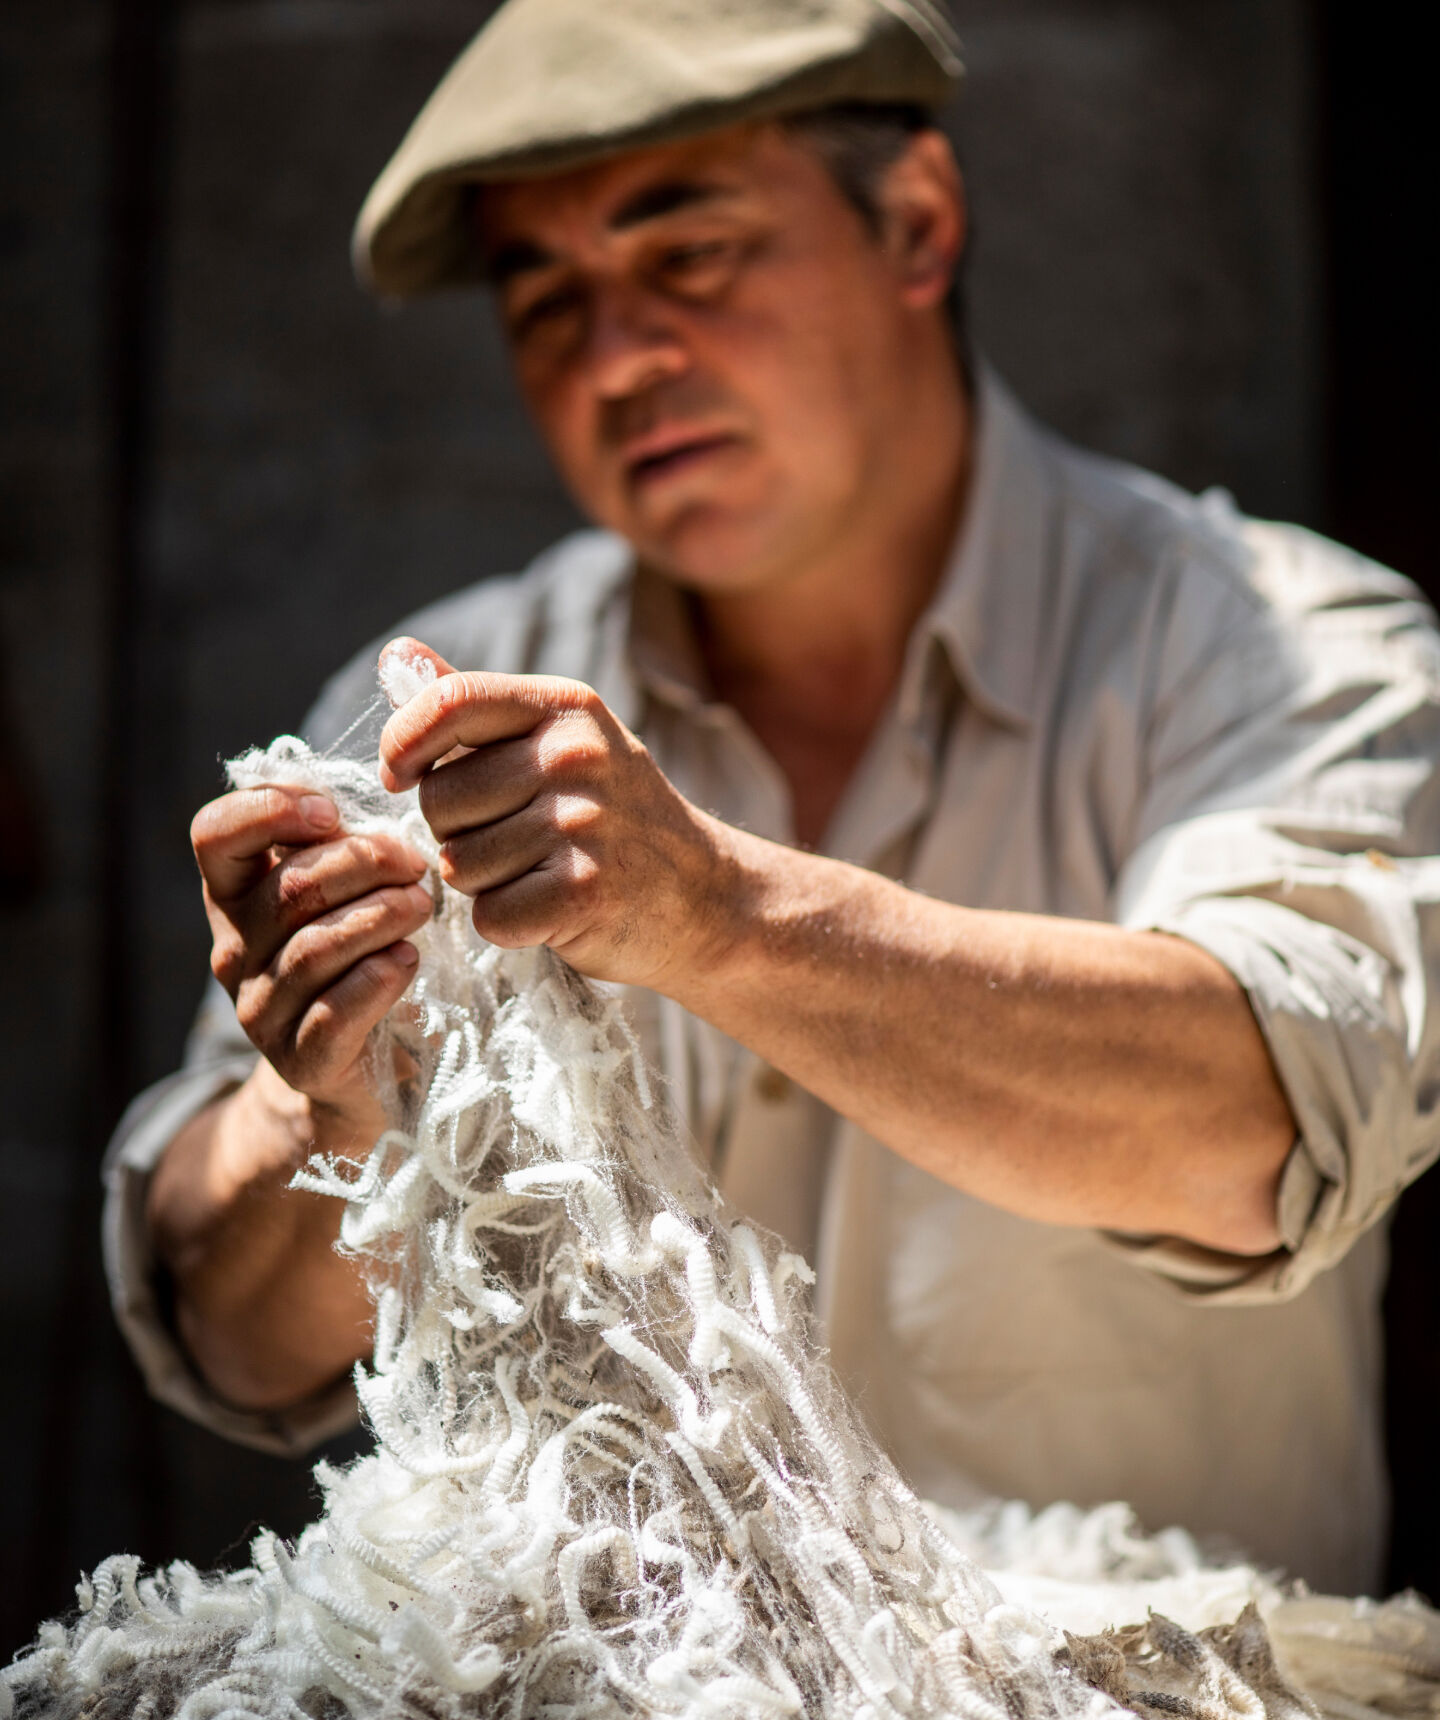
1071 1072
1067 1071
266 1308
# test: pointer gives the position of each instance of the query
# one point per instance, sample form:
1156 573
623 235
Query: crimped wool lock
613 1475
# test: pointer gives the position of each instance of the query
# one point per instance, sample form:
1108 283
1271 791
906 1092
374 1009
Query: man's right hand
309 927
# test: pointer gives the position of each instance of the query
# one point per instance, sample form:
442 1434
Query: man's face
715 347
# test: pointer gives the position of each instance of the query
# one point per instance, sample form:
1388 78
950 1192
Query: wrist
298 1125
724 923
237 1157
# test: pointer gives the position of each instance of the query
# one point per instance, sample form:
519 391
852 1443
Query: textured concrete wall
1146 259
51 99
1144 274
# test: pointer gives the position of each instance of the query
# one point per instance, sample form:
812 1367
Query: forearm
267 1310
1068 1071
1074 1073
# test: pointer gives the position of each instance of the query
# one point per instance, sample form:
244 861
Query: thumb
407 667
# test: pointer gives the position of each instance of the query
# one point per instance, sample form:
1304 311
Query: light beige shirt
1124 704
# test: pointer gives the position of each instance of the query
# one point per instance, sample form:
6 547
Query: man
1020 880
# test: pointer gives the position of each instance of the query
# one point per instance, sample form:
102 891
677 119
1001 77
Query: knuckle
383 850
388 856
368 854
227 960
459 874
584 877
577 695
393 906
302 954
316 1030
464 871
252 1009
290 965
575 816
297 893
571 749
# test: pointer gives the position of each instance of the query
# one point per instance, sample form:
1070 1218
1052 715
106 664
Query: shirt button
772 1086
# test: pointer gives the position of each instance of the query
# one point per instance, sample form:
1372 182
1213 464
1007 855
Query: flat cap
553 84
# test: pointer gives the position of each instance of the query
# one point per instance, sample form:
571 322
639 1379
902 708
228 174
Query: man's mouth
661 457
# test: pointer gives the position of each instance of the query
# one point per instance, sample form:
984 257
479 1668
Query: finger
547 905
482 859
480 787
469 710
407 666
313 881
302 886
233 835
331 1034
320 952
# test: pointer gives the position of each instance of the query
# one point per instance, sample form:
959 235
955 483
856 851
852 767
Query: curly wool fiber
612 1474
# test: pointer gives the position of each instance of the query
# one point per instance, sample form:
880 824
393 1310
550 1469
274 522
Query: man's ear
924 216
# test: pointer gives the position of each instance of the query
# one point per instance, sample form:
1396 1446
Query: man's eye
701 262
547 309
701 252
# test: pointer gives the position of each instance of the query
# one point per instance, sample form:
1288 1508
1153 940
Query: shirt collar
664 653
987 612
985 616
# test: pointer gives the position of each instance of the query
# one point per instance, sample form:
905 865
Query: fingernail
406 954
317 811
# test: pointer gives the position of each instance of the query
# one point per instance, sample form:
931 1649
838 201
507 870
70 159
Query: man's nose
633 342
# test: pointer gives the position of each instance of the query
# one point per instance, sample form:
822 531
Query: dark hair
859 142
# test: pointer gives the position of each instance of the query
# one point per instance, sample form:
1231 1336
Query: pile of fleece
613 1475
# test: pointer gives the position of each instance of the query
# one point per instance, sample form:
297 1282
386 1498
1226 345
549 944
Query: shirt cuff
137 1284
1323 1003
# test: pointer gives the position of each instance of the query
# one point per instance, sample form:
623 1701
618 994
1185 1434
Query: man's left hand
558 822
1069 1071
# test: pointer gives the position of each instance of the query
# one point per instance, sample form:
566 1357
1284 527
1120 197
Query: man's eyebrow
517 257
520 256
664 199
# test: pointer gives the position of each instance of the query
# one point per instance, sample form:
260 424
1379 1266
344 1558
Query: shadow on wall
223 470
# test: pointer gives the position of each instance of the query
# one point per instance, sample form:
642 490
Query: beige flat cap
551 84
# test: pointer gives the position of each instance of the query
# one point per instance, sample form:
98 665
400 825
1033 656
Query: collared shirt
1125 704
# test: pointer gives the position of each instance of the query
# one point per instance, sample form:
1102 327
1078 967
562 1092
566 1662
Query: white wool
1088 1572
612 1474
404 673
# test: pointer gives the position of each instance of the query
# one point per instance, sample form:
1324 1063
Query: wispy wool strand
612 1475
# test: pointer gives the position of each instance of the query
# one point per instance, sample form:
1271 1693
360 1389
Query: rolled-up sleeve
1287 825
218 1058
347 717
486 625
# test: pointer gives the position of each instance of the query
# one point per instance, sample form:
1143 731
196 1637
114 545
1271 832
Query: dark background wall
1200 244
